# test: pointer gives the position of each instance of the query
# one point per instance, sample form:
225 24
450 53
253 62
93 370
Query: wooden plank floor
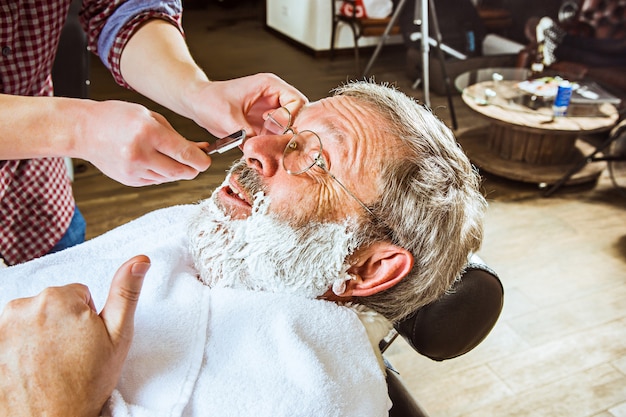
559 348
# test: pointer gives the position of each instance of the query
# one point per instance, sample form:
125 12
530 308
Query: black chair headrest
457 322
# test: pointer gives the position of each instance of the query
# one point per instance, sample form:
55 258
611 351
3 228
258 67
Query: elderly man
363 199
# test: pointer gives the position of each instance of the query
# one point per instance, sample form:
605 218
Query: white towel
203 352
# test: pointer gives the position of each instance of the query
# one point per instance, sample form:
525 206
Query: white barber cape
215 352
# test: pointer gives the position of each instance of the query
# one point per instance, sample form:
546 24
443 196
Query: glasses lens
302 152
277 122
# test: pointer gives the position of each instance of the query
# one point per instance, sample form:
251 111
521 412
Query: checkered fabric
116 50
37 205
36 201
94 15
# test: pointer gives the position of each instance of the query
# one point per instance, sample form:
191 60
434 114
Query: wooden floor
559 348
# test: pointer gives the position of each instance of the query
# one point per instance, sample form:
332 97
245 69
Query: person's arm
126 141
141 42
157 63
58 357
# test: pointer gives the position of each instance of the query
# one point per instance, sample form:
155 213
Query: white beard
264 253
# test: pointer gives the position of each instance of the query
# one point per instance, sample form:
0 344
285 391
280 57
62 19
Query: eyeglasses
304 149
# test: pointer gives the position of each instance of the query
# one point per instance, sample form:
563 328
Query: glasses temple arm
347 191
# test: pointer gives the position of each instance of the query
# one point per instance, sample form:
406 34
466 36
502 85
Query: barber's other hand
224 107
136 146
58 357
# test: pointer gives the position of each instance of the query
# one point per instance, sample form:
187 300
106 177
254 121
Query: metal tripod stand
422 8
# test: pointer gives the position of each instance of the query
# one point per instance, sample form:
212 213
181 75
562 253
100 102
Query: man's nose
265 153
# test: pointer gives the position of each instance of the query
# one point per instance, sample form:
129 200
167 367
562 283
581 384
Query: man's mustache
248 178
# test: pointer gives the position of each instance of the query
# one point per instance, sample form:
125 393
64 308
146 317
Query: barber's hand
136 146
58 357
224 107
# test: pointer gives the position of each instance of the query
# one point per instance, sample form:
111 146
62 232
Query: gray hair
429 199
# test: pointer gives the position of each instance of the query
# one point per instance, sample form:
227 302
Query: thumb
118 313
293 103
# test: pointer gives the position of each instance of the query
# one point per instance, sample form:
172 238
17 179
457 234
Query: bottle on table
562 98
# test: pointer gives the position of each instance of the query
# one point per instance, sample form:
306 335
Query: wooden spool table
530 145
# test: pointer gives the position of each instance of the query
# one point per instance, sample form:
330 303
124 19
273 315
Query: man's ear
377 268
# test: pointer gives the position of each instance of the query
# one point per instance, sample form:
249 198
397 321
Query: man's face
353 147
265 229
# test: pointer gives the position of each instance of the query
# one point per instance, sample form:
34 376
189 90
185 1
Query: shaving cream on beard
265 253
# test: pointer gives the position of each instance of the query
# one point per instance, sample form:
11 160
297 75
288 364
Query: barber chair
448 327
360 27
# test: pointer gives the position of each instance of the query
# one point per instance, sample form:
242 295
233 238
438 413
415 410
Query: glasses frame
317 161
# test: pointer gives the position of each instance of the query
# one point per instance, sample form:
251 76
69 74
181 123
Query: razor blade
227 143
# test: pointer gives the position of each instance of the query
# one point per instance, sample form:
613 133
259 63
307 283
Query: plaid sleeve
115 52
109 24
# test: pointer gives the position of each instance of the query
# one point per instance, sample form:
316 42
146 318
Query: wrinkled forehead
342 116
353 122
338 104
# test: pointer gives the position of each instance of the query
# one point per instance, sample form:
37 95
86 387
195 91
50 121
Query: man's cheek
288 204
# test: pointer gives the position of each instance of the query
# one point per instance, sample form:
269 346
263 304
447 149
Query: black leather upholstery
460 320
449 327
404 405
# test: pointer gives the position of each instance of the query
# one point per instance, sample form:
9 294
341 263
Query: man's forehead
332 104
333 114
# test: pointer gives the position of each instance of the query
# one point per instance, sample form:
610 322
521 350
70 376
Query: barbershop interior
555 229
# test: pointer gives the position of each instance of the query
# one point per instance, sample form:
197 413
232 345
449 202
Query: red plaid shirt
36 201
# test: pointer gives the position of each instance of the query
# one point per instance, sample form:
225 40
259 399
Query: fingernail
140 268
